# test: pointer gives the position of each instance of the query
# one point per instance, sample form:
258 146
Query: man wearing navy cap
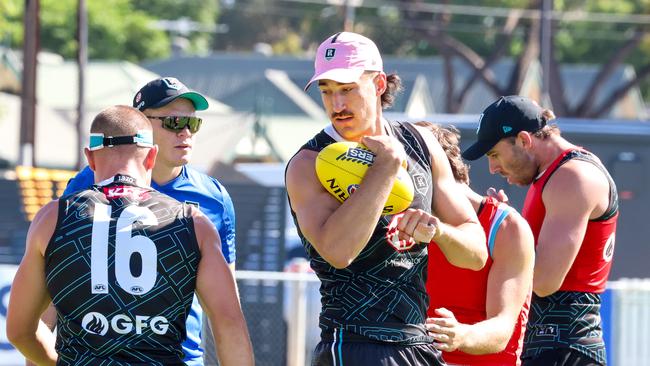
572 209
171 107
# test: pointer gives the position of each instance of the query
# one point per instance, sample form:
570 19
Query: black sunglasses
178 123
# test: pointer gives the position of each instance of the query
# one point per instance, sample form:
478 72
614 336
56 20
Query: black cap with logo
504 118
160 92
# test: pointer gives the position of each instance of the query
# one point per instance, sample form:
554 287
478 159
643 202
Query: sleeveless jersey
468 305
570 318
211 197
121 271
381 295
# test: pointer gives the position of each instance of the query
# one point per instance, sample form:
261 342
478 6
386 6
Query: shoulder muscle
42 227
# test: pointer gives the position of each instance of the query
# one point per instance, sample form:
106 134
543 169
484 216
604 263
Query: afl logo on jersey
95 323
136 290
608 250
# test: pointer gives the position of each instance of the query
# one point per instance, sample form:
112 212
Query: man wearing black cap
572 209
171 108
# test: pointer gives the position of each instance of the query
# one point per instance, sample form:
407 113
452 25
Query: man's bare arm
509 284
339 232
571 196
48 319
29 296
217 291
459 235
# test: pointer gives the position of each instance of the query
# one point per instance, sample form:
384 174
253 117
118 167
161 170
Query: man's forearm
38 348
463 246
488 336
233 346
45 329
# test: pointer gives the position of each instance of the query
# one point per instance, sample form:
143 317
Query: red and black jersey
463 291
592 264
570 317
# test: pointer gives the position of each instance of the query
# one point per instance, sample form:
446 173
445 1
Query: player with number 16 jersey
120 262
126 299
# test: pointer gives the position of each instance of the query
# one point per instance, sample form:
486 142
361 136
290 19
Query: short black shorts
560 357
375 354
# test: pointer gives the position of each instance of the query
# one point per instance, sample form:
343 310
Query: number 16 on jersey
125 246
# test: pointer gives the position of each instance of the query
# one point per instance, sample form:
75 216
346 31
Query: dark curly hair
449 139
393 87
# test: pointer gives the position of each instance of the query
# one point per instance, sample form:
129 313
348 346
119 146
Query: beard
523 169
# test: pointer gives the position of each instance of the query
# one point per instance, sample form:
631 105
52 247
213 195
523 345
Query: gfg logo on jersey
97 323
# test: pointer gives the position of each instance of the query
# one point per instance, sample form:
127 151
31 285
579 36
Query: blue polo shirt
194 187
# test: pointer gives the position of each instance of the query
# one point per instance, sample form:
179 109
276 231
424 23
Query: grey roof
238 79
108 83
271 87
577 78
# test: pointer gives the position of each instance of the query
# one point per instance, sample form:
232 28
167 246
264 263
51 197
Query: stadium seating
22 193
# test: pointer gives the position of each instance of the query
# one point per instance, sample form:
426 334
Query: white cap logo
172 83
329 53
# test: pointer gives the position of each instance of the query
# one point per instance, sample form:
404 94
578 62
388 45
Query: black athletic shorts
560 357
375 354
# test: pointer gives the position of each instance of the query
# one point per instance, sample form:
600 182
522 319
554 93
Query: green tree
203 13
479 33
586 39
11 22
117 29
283 25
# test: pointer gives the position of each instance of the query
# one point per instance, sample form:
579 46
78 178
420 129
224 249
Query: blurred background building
588 61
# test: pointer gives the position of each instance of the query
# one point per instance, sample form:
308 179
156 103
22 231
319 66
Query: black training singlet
381 295
121 270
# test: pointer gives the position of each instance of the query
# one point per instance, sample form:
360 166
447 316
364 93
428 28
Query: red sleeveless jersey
464 291
590 269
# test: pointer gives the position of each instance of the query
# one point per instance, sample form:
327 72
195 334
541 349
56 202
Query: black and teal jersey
565 319
121 271
381 295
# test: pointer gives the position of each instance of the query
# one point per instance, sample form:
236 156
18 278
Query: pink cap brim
338 75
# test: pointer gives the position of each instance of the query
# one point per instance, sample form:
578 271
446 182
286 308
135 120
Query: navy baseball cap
505 118
160 92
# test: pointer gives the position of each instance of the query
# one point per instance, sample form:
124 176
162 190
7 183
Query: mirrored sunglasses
178 123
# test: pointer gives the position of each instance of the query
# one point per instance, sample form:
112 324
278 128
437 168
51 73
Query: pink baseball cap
344 56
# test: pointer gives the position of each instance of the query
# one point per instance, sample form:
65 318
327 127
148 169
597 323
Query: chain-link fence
281 309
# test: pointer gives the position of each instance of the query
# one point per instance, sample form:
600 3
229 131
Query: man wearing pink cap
372 267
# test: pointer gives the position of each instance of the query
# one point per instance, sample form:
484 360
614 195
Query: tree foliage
488 31
129 29
11 23
117 29
204 13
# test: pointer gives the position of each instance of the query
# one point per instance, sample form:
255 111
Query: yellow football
341 166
